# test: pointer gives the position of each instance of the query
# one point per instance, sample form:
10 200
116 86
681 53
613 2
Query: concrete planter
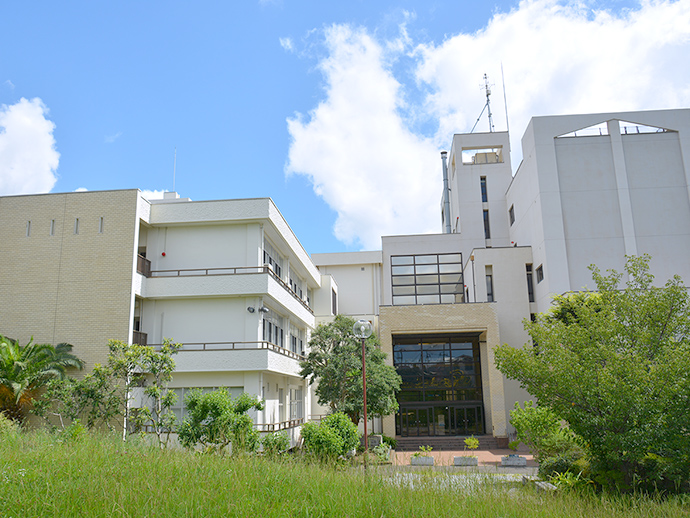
514 461
465 461
421 461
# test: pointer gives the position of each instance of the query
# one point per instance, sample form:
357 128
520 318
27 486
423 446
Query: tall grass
101 476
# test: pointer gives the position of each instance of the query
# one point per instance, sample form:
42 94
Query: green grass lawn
101 476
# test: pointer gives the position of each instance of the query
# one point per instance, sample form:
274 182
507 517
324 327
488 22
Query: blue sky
336 110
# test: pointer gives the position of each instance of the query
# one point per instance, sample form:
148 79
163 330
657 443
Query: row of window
427 279
53 225
274 260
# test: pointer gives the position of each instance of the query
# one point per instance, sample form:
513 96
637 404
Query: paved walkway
488 460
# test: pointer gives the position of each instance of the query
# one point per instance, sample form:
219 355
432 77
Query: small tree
142 366
216 421
615 368
335 361
93 399
158 367
105 394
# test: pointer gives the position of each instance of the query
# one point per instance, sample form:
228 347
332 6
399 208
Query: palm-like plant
25 369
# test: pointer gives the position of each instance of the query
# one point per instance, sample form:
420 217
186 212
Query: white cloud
559 58
109 139
28 158
357 151
10 84
286 43
81 189
357 145
153 195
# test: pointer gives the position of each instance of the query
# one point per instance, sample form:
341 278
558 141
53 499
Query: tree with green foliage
336 435
24 371
94 399
335 363
216 421
135 365
105 394
615 366
158 367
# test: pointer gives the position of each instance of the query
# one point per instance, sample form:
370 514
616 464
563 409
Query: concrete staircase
450 443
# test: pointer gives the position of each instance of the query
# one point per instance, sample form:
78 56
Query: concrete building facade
230 280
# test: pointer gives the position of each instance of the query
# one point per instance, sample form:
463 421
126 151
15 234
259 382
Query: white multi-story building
591 189
230 280
226 278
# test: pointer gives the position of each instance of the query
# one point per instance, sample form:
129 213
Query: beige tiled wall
68 287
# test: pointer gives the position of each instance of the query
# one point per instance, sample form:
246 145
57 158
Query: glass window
402 259
487 227
422 271
540 273
511 214
482 182
489 288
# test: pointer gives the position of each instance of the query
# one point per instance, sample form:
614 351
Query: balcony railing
139 338
276 427
237 270
143 266
235 346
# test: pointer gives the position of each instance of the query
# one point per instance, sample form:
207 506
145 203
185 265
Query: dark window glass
489 288
530 282
511 214
487 228
482 182
540 274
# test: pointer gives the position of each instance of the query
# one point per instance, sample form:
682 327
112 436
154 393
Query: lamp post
362 330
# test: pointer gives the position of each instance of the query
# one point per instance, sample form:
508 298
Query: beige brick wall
68 287
454 318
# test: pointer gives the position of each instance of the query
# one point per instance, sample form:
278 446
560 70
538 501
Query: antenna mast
487 106
487 87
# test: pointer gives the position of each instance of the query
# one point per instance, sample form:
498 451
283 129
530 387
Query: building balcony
143 266
231 281
236 356
139 338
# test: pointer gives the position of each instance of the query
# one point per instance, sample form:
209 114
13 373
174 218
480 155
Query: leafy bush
382 452
216 421
550 466
390 441
7 426
74 432
335 435
540 429
471 443
321 441
275 443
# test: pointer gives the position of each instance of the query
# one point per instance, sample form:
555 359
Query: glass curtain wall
441 392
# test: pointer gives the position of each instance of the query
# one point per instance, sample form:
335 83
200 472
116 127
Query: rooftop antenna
487 87
505 100
174 168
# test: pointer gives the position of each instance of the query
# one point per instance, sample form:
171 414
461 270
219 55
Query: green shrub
346 430
275 443
382 452
334 436
541 430
7 426
216 421
390 441
321 441
550 466
74 432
